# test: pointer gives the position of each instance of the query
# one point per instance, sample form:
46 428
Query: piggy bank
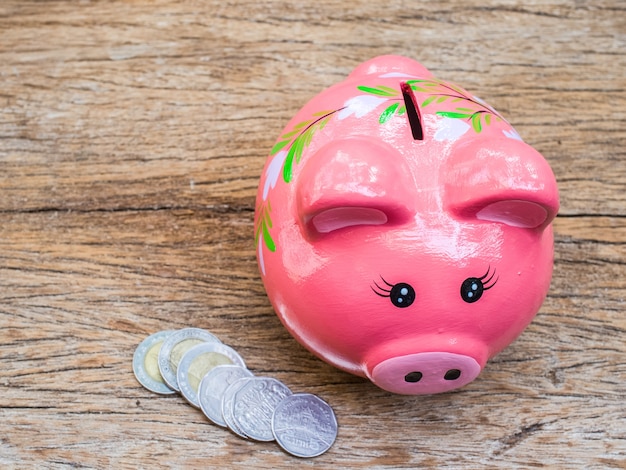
403 228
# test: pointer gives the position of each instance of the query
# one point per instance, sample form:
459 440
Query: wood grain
132 136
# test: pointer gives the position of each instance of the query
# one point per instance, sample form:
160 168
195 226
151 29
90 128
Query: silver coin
212 388
254 404
146 363
199 360
175 346
304 425
228 402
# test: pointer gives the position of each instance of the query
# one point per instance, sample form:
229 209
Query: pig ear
353 182
503 181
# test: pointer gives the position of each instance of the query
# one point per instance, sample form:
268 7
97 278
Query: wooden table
132 137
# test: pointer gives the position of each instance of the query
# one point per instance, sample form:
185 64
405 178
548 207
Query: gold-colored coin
146 363
175 347
197 362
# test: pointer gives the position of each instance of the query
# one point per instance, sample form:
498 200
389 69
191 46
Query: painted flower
360 106
450 129
512 134
274 169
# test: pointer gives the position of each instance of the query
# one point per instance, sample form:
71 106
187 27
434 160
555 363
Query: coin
304 425
212 388
254 404
175 346
228 404
197 362
146 363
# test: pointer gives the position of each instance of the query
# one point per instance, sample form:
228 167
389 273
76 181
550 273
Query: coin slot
412 111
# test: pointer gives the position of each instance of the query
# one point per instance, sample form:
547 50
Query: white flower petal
512 134
260 253
273 172
450 129
360 106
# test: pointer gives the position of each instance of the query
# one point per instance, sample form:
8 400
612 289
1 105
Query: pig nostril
452 374
413 377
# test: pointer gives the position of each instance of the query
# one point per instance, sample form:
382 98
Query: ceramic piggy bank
403 228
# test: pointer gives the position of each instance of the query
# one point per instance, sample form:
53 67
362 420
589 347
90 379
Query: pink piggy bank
403 228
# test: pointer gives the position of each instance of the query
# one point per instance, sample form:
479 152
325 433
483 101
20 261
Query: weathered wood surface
132 135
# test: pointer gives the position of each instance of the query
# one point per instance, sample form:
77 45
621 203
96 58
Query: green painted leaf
428 100
452 114
442 99
487 118
388 113
267 218
307 137
288 166
456 88
267 238
279 145
401 110
380 91
391 91
289 134
299 145
301 125
476 122
467 110
323 123
420 89
322 113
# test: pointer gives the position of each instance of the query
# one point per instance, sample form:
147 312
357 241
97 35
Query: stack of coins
213 377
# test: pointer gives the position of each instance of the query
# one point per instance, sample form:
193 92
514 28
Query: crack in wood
508 442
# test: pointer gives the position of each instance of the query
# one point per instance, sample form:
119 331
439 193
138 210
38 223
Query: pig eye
473 287
401 295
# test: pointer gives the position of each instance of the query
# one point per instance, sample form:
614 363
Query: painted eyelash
388 291
472 288
401 294
485 287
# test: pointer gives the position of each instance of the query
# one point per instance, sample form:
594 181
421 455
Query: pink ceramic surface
403 228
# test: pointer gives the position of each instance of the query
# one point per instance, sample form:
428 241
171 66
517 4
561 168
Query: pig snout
425 373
